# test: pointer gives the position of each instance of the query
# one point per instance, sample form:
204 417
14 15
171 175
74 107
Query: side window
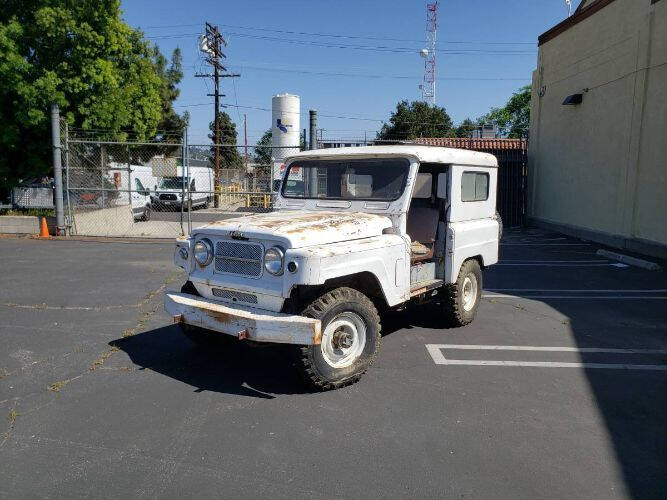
474 186
138 185
192 185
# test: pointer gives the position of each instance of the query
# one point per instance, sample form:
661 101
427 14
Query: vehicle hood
301 228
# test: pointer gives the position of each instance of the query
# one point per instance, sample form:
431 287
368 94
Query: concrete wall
600 165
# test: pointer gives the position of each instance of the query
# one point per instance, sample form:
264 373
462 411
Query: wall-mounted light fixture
573 99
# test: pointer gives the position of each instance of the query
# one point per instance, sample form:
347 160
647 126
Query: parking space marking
587 297
435 351
547 244
649 290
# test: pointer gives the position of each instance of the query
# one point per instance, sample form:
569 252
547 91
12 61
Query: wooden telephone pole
211 43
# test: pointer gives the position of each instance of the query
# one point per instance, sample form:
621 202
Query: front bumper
241 321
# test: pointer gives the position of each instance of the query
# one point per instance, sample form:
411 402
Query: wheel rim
469 292
343 340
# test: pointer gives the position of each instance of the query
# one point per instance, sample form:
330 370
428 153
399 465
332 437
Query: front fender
386 257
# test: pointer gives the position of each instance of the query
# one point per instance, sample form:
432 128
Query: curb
632 261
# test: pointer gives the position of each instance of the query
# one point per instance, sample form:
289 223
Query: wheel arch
364 282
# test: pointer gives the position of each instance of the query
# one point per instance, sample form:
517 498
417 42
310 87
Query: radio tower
428 87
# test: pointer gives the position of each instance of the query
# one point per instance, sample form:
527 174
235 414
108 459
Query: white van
142 183
174 191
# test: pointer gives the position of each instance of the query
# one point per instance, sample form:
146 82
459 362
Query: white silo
286 126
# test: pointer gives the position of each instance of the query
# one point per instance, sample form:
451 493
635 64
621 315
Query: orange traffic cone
44 229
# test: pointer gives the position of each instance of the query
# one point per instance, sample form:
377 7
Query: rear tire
461 299
350 339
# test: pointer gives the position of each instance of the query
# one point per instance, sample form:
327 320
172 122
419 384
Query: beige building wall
600 166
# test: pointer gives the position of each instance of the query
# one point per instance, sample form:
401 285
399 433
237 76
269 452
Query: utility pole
211 43
245 142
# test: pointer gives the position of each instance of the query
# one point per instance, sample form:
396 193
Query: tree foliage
229 155
513 119
465 128
81 55
416 119
263 152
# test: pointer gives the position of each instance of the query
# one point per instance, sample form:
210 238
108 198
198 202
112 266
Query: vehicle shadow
237 368
413 316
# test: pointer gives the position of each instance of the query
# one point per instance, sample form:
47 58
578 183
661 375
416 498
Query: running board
425 286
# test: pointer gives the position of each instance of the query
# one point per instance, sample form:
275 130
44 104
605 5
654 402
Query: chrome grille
244 259
234 296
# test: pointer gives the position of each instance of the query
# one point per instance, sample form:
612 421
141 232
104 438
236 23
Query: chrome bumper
241 321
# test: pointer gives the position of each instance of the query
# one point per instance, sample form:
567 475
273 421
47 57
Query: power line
367 75
344 36
381 48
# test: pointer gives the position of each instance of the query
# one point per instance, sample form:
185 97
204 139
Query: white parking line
586 297
435 350
541 264
547 244
520 261
650 290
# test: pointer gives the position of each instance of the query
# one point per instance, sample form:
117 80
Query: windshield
171 183
381 179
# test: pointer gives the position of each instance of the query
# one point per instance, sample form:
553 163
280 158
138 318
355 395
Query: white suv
355 231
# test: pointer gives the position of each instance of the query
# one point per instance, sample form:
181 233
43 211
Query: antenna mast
428 87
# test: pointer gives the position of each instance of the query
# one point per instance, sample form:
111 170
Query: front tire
461 299
350 339
147 214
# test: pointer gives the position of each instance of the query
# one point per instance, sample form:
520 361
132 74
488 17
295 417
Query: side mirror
442 186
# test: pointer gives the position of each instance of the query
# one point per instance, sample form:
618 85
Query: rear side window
474 186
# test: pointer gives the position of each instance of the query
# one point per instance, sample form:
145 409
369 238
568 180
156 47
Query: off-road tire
452 302
202 336
310 361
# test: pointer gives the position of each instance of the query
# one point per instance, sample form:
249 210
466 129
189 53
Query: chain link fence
163 190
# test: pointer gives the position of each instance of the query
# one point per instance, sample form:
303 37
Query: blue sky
496 41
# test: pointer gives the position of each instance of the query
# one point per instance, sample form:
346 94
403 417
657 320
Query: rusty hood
301 228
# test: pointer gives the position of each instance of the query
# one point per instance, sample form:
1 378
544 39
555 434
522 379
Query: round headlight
273 260
203 252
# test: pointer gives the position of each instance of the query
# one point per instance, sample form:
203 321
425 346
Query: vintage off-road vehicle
355 231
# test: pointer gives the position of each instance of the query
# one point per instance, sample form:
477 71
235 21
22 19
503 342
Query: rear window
474 186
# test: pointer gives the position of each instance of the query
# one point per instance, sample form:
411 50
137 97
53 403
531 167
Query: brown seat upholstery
422 226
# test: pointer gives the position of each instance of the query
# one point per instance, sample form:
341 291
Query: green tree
416 119
229 155
81 55
465 128
513 119
171 122
263 152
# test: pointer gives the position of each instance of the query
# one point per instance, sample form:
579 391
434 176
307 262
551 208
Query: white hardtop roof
425 154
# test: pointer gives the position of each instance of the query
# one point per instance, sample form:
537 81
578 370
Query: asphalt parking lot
558 389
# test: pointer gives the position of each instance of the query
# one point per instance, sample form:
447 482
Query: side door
472 229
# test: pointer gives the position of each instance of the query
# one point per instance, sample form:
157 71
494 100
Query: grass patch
56 386
38 212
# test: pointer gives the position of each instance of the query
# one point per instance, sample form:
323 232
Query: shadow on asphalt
239 368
